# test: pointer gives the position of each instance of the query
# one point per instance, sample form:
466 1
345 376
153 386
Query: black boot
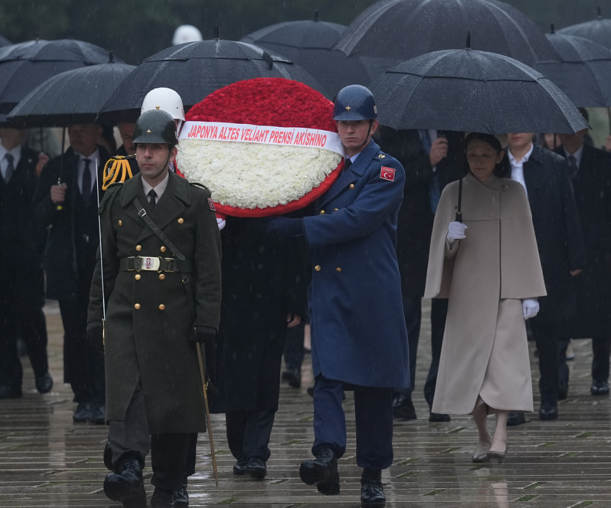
162 498
322 471
372 493
180 498
125 484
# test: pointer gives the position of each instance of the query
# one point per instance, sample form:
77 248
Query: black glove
282 228
203 335
95 335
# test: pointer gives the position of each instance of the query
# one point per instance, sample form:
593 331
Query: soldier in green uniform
162 290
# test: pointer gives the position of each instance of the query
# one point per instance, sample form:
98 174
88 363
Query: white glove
530 308
456 231
221 223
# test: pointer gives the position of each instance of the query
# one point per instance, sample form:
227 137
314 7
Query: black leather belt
153 264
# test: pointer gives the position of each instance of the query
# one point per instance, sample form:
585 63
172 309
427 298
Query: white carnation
250 175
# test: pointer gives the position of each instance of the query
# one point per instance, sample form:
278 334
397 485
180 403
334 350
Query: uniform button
120 222
338 269
322 212
181 221
162 249
259 296
161 276
137 306
336 209
317 268
162 307
234 296
138 248
352 186
260 266
137 276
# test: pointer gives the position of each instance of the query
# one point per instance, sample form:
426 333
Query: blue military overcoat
356 311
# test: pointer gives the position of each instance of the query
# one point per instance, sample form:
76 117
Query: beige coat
485 277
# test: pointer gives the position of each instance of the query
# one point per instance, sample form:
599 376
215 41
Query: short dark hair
503 168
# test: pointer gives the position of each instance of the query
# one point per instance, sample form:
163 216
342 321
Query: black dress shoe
310 391
256 467
515 419
162 498
321 472
599 388
403 407
8 392
292 377
438 417
180 498
548 411
44 383
563 391
372 492
126 485
98 413
82 413
239 468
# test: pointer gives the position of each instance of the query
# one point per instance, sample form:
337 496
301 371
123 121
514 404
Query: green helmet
155 126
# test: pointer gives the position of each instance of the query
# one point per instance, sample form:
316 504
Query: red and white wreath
263 146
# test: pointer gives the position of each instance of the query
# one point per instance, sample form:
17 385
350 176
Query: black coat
592 188
415 216
69 257
557 229
263 280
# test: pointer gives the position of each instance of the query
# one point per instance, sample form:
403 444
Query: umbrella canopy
597 30
26 65
469 90
195 70
584 74
70 97
4 41
404 29
308 43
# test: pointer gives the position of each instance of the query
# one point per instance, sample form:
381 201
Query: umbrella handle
459 207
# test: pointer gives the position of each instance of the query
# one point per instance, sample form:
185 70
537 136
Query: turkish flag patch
211 203
387 174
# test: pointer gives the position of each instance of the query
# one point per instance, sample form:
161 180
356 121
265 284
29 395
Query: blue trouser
374 422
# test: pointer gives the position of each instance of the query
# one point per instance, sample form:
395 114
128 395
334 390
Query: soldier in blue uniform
358 330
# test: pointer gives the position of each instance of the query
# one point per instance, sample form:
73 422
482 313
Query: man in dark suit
21 275
431 159
544 175
66 202
590 172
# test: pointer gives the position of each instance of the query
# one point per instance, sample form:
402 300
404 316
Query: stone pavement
47 461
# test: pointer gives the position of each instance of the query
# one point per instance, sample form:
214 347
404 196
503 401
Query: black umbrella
403 29
70 97
308 43
469 90
597 30
584 74
4 41
195 70
25 66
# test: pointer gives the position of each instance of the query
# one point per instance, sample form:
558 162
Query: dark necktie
572 161
152 197
347 163
10 168
86 185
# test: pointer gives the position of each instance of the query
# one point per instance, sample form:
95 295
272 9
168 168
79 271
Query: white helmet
165 99
186 33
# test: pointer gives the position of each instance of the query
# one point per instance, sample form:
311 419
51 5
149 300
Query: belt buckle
168 265
148 263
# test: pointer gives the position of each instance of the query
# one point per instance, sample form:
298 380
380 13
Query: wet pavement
47 461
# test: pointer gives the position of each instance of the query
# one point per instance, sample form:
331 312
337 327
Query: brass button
162 307
137 276
138 248
338 269
322 212
317 268
181 221
161 276
336 209
352 186
162 249
120 222
137 306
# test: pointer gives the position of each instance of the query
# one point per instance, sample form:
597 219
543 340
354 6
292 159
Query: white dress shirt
94 157
15 152
159 188
517 168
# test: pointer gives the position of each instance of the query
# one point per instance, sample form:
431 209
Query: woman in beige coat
488 267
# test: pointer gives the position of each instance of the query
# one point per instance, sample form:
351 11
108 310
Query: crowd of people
498 230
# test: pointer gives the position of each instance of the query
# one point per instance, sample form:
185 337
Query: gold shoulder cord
116 166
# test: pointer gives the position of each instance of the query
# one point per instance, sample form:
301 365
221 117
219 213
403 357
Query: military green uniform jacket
148 314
